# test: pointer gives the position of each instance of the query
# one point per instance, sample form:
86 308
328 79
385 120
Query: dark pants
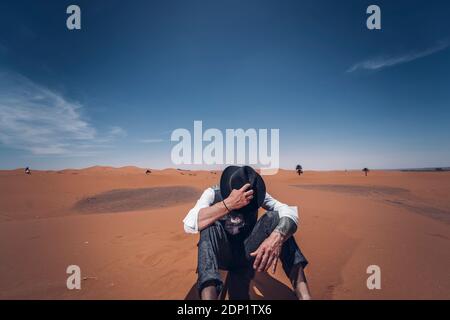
217 249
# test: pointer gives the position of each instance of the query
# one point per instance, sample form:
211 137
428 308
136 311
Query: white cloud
389 61
43 122
117 132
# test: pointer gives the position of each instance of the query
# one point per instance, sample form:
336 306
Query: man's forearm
235 201
209 215
286 227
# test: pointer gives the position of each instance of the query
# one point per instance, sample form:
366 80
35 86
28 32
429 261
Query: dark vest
236 224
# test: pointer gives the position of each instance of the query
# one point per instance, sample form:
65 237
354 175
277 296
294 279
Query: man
232 238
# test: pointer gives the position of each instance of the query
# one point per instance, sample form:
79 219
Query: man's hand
236 200
239 198
268 252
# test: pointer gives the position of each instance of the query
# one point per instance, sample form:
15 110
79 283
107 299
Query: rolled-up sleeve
284 210
191 220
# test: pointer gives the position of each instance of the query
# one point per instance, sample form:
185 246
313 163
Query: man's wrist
227 203
278 235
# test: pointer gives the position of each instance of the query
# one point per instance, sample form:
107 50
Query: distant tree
366 171
299 169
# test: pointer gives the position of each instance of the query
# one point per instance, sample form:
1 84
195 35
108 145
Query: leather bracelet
223 201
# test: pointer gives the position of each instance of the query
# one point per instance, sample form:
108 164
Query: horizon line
445 168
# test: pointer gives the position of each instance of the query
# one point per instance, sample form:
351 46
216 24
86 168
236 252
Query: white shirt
207 199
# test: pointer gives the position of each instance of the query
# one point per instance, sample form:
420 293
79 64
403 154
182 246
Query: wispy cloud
43 122
389 61
117 132
151 140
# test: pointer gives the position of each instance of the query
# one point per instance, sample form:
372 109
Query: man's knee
210 232
271 215
263 228
270 219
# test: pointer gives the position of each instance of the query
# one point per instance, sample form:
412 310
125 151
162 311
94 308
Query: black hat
234 177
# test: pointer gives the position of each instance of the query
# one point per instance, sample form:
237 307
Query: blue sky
111 93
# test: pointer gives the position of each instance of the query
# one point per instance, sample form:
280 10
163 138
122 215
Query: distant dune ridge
123 227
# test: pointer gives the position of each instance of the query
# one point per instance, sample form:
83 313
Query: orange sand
397 220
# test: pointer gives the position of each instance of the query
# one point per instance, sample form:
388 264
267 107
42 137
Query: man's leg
291 257
294 263
239 283
214 252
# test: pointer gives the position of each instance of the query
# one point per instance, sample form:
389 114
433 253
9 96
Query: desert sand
124 229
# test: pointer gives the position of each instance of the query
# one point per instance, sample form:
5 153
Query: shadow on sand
262 287
121 200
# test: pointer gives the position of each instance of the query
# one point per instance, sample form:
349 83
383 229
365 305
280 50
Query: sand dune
131 244
396 196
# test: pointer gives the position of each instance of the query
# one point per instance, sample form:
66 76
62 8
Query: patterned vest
236 224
